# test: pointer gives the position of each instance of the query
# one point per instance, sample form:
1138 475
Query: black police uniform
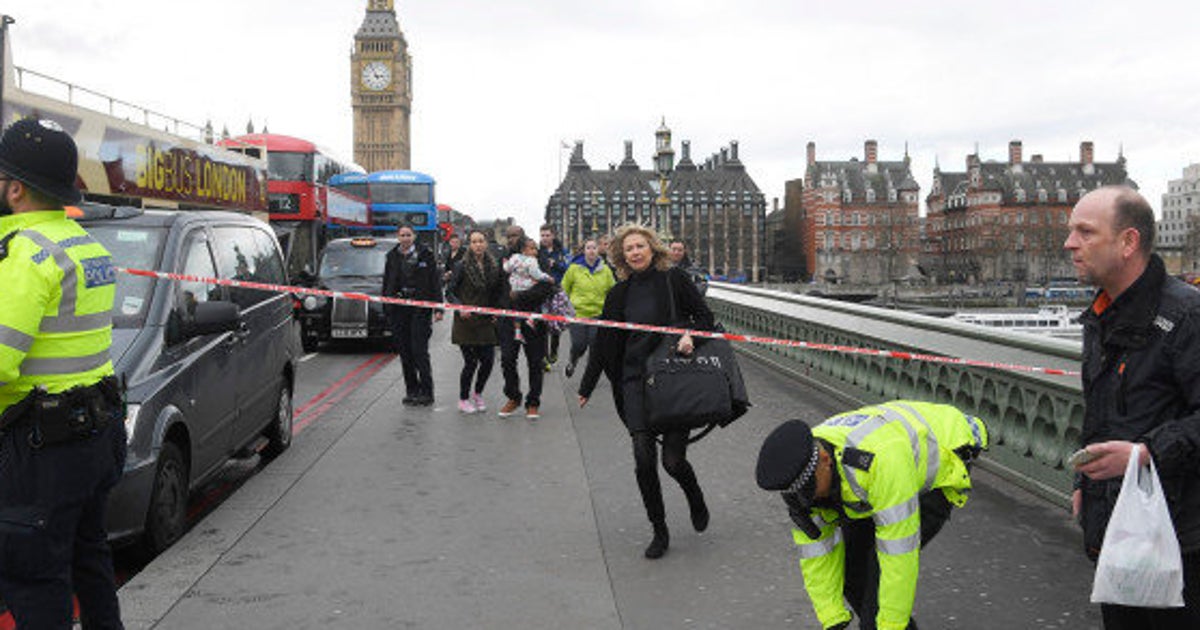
417 276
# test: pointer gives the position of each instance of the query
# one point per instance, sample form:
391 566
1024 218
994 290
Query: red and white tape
483 310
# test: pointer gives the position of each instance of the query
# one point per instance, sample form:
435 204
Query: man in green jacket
586 283
867 489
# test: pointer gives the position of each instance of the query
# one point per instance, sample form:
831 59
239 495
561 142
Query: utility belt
406 292
76 414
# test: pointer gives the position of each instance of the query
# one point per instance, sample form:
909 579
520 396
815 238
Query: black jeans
535 355
477 366
52 538
411 328
581 339
861 587
674 461
1186 618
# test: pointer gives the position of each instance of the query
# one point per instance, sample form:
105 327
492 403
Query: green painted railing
1035 419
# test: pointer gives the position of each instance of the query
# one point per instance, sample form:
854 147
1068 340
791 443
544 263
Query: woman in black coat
477 280
642 296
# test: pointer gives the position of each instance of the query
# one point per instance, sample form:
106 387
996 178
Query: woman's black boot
698 509
662 540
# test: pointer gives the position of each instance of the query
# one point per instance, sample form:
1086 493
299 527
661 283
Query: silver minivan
210 370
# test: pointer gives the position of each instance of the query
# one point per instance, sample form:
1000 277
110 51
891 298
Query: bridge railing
1035 419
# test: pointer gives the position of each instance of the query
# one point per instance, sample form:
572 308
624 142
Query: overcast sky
498 85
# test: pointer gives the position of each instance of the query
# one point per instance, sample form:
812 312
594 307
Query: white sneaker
466 406
477 400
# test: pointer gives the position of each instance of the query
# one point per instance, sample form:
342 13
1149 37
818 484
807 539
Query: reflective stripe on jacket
56 317
910 446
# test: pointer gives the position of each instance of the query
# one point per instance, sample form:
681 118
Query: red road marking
328 390
313 414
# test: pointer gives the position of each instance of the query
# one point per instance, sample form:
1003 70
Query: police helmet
39 154
787 463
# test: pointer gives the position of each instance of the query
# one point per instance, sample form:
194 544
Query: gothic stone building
381 91
1008 221
715 207
856 220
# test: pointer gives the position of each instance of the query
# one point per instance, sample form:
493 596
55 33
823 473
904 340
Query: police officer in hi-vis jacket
867 489
62 431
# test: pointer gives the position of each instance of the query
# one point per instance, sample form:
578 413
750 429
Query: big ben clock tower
381 90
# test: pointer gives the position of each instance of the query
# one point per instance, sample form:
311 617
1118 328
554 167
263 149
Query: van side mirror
214 317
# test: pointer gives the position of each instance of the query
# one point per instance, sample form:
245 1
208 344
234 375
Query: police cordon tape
500 312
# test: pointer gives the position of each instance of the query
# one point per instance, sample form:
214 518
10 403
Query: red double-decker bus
298 192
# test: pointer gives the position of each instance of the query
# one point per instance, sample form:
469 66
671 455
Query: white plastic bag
1139 562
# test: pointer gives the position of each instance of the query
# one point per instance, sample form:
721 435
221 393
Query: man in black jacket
1141 384
510 349
412 272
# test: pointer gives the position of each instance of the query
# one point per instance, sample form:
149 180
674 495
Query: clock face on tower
376 75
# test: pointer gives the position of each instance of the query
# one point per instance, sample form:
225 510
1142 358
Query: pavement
385 516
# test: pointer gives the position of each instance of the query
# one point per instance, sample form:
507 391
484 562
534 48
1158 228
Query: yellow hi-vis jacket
58 286
911 451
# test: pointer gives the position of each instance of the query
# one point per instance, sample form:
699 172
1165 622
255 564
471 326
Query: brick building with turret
1007 221
856 220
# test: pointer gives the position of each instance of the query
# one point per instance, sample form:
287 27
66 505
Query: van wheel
279 433
168 501
310 344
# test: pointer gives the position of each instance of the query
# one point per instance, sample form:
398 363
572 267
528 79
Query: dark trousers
1186 618
535 355
674 461
861 587
477 367
411 328
52 538
581 339
554 337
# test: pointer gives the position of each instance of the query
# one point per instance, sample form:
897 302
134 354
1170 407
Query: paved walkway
383 516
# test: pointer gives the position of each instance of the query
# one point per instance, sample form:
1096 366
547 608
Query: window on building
870 195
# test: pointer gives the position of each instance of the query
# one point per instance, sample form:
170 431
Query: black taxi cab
348 265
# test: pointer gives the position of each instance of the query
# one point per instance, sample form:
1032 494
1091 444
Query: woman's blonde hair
660 259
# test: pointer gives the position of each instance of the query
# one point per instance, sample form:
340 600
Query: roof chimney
872 151
1085 152
724 156
1036 158
812 153
687 150
629 149
733 150
1014 152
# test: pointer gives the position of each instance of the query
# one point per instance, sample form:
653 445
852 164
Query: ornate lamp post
662 205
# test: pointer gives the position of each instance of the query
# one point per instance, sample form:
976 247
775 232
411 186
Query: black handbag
685 392
703 389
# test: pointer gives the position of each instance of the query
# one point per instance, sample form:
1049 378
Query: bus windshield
385 193
288 166
358 190
132 247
